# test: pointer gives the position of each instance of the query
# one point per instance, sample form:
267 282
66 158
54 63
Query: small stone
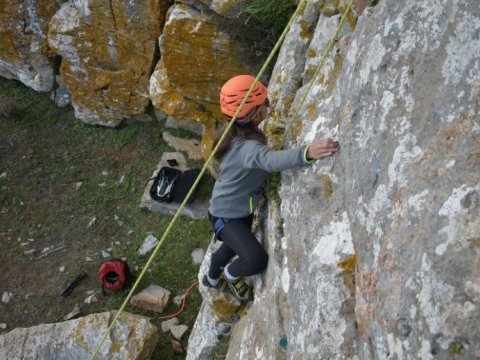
116 217
122 179
45 250
90 292
77 185
90 299
92 222
197 256
124 258
177 347
117 242
3 326
61 269
31 240
24 244
178 331
3 175
130 232
88 259
148 245
104 172
403 327
6 297
177 300
153 298
103 184
166 325
29 252
109 249
74 313
106 254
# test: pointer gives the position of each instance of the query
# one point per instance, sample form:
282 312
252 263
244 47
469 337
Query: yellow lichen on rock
327 187
349 267
225 308
197 57
108 49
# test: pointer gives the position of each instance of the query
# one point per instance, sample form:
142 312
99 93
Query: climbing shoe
240 289
220 286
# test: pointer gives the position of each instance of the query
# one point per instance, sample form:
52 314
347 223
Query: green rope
319 67
195 184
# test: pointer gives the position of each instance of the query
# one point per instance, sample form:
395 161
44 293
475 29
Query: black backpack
173 185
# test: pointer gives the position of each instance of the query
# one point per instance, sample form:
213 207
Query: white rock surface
373 253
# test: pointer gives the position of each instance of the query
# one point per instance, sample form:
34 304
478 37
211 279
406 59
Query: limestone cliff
374 254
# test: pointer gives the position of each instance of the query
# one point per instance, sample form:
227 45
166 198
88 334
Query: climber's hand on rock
322 148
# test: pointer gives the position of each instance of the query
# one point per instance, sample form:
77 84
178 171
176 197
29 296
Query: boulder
132 337
108 52
24 53
198 56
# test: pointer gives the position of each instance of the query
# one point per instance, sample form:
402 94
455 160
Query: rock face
24 52
132 337
108 51
198 54
374 253
214 321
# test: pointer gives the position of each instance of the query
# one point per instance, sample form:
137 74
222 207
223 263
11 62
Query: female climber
245 161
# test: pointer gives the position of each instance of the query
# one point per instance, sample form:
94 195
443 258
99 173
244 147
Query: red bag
113 274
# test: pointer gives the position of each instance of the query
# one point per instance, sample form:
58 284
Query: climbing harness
226 132
218 225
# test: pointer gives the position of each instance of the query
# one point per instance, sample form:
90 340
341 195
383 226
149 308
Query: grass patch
56 175
271 15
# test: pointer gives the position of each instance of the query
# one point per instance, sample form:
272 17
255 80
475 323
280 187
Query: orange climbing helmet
233 93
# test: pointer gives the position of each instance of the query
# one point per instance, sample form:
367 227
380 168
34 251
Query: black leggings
238 240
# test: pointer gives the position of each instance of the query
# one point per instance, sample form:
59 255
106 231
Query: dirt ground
56 175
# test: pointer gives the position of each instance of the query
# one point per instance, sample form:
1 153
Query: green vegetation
456 348
271 15
56 175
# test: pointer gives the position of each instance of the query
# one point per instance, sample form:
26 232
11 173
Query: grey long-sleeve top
243 172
